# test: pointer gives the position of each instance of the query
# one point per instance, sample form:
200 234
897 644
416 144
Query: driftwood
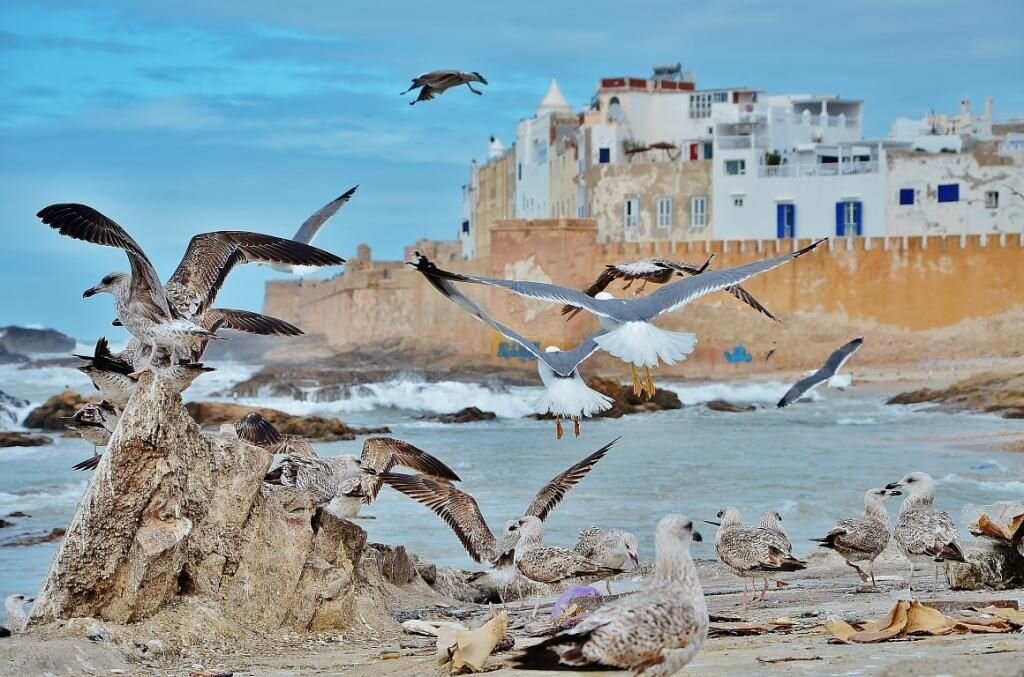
177 529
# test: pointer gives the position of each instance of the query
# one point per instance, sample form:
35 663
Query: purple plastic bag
569 595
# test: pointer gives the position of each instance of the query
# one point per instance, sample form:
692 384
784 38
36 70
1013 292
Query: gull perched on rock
752 552
438 82
923 534
629 333
550 563
95 423
655 631
565 393
611 547
827 374
658 271
310 228
862 539
110 374
172 316
17 616
460 511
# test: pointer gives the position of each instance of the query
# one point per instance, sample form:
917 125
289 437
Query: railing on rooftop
740 142
818 169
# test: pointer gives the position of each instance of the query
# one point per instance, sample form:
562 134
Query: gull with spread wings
827 374
436 83
565 394
630 334
310 228
175 317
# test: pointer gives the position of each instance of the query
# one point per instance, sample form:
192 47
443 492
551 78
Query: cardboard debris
910 618
469 649
986 526
744 629
429 628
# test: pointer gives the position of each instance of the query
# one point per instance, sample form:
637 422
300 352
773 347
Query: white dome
495 148
554 101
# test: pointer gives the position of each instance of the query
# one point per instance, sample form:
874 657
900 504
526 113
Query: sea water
812 462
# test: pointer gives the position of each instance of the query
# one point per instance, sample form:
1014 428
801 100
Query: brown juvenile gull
550 563
438 82
655 631
609 547
752 552
658 271
311 227
923 534
17 616
565 393
630 334
460 511
827 374
110 374
95 423
171 316
862 539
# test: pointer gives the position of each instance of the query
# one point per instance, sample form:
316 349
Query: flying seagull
629 332
436 83
550 563
655 631
752 552
862 539
827 373
658 271
171 316
923 534
565 395
460 511
311 227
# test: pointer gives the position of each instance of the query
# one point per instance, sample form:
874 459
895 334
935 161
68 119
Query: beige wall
495 198
609 185
563 189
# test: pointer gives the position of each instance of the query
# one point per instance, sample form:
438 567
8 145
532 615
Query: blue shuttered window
785 220
906 196
849 218
840 216
604 155
949 192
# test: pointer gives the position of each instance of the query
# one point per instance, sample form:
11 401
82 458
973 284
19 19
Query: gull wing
381 454
562 363
257 431
802 386
676 294
247 321
82 222
211 256
311 226
838 358
552 493
458 509
737 291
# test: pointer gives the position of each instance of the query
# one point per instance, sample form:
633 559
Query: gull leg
910 581
764 590
558 428
475 91
860 572
935 583
637 385
576 425
650 383
640 290
629 282
871 568
149 363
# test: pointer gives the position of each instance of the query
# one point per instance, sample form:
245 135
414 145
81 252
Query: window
849 218
520 171
698 211
708 153
720 97
906 196
604 155
735 167
631 212
737 201
949 192
465 226
785 220
991 199
614 109
664 212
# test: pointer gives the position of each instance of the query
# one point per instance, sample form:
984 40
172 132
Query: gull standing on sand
862 539
550 563
827 374
565 393
923 534
655 631
460 511
436 83
658 271
171 316
752 552
17 616
310 228
629 332
610 548
772 521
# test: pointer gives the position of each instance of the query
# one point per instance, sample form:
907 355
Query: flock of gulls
656 630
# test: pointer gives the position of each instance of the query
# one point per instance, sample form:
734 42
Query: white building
536 138
964 125
470 197
796 166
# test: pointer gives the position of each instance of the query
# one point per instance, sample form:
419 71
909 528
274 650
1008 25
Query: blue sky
180 117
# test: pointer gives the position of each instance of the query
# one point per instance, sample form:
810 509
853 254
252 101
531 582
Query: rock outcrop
27 341
625 402
997 393
178 538
50 415
16 439
314 428
730 407
466 415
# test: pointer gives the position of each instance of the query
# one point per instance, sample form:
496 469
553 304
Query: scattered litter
390 655
429 628
910 618
743 629
787 659
210 673
1003 522
569 595
468 649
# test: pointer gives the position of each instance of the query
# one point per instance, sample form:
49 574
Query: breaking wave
1012 487
46 497
766 392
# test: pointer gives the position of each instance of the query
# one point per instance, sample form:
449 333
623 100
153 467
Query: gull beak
893 485
636 560
91 291
30 600
714 524
697 537
483 80
893 492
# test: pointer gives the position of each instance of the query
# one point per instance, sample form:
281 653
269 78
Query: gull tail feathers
642 344
88 464
572 397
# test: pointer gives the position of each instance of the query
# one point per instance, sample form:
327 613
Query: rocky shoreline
991 393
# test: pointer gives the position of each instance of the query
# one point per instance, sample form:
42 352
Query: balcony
741 142
820 169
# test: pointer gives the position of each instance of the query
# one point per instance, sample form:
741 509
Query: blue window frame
785 220
604 155
949 192
849 218
465 226
906 196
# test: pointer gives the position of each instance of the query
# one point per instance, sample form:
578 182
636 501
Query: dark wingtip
87 464
256 430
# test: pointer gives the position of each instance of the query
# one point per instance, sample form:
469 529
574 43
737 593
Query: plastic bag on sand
469 649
